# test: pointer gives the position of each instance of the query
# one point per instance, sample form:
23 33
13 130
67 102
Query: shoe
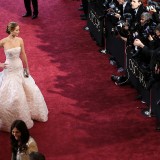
82 15
34 16
115 78
122 81
142 101
147 113
120 69
103 51
83 18
139 97
158 125
113 62
86 28
26 15
80 9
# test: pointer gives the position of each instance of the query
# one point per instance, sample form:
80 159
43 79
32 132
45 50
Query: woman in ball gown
20 98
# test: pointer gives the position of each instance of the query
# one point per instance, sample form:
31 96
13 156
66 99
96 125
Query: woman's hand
4 65
26 72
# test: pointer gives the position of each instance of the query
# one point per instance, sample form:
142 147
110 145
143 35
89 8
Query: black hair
21 127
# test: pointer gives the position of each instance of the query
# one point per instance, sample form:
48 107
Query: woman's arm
1 42
23 55
2 65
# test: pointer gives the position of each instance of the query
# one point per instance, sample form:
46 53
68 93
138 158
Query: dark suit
137 16
126 9
27 4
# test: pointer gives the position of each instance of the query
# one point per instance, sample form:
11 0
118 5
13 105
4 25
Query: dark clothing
137 15
85 7
154 56
155 43
126 9
156 17
27 4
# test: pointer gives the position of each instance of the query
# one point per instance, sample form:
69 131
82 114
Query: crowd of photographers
138 25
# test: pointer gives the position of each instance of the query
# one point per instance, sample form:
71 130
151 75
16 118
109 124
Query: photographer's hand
150 38
138 43
153 10
110 10
124 39
126 27
157 69
117 15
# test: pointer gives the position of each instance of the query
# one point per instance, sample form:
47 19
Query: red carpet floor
89 117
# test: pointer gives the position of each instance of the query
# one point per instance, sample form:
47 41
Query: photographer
137 10
154 44
154 68
124 7
155 39
144 32
124 18
154 8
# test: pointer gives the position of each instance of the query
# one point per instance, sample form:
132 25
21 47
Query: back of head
36 156
11 27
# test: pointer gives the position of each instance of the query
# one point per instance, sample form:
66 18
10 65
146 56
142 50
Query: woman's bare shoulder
4 39
19 38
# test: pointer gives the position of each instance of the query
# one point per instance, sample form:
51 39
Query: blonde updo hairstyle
11 27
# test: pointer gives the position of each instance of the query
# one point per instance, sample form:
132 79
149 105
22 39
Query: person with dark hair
28 13
124 6
36 156
22 144
20 97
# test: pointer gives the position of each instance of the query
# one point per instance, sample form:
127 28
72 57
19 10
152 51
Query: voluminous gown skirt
20 97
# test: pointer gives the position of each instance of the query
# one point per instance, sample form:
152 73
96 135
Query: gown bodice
13 59
13 53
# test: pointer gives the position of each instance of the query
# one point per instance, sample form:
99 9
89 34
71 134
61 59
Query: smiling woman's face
16 133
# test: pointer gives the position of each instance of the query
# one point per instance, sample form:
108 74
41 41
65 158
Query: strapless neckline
12 48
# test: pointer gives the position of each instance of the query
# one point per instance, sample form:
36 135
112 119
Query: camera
149 30
119 28
110 8
106 3
152 5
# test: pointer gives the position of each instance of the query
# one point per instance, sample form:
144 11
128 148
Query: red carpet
89 117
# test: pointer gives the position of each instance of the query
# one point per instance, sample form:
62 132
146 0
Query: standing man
28 13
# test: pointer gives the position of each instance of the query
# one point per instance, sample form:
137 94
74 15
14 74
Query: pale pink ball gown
20 98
